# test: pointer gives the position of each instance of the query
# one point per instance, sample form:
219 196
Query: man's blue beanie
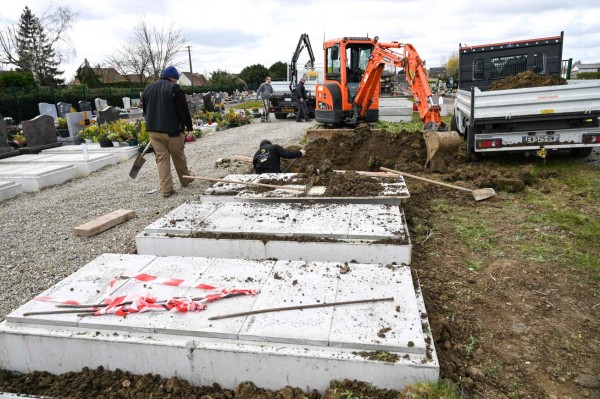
170 72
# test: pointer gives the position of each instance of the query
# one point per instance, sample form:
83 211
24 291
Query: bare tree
149 50
56 23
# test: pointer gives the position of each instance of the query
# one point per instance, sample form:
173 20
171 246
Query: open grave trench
294 248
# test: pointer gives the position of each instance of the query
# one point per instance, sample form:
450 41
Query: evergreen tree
85 74
34 51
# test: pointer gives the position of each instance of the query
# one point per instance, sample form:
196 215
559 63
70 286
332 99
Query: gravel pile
37 245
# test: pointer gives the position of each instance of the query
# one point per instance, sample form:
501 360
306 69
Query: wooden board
103 223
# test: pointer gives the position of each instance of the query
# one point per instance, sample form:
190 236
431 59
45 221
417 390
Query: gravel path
37 246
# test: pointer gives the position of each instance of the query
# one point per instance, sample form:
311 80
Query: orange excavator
349 93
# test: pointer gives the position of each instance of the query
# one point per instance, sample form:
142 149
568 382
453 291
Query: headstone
40 133
107 115
85 106
77 121
63 109
100 104
127 103
48 109
5 149
135 102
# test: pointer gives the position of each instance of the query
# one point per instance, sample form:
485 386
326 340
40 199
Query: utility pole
191 71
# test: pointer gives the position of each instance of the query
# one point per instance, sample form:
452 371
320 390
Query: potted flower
62 127
19 140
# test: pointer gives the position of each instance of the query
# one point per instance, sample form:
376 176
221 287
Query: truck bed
577 97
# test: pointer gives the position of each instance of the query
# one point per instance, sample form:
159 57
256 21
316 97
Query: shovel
479 194
245 182
139 161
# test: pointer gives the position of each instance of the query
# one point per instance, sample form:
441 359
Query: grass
431 391
248 105
475 233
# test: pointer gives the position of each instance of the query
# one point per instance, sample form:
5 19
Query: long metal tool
300 307
479 194
245 182
139 162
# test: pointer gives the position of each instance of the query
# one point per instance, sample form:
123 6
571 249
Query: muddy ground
519 328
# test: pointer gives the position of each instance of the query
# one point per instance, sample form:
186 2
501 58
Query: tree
254 75
17 79
278 71
224 81
148 51
38 44
86 75
452 65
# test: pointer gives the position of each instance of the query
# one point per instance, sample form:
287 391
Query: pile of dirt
527 79
364 150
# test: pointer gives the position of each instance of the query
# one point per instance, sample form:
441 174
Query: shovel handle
426 180
244 182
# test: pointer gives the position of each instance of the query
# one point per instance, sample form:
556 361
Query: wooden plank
104 222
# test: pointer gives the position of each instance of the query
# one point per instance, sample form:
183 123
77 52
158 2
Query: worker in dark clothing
302 108
267 158
167 116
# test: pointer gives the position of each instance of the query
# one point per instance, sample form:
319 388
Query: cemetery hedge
22 103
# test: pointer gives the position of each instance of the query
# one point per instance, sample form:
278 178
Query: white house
185 79
584 68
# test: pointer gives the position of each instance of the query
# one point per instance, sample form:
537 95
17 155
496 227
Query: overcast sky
232 34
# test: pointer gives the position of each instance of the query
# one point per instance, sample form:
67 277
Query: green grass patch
476 233
476 265
415 125
249 105
435 390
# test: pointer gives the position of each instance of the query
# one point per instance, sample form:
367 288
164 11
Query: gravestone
135 102
63 109
40 134
48 109
107 115
5 149
100 104
85 106
77 121
127 103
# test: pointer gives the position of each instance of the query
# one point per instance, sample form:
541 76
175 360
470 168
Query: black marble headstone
85 106
5 149
107 115
63 108
40 133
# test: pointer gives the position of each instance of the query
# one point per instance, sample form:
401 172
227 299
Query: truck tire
453 124
280 115
581 152
470 136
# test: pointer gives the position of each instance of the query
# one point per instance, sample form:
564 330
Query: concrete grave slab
34 177
122 153
5 150
107 114
311 232
78 121
202 351
95 161
9 189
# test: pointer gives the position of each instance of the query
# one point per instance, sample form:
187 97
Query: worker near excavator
265 91
268 157
302 108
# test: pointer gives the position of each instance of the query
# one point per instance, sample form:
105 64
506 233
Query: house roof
135 78
109 75
198 79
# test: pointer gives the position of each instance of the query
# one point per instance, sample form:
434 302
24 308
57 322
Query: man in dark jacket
302 108
267 158
167 116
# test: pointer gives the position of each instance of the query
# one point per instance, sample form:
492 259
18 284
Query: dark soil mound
527 79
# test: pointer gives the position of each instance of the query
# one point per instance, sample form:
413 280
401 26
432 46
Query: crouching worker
267 158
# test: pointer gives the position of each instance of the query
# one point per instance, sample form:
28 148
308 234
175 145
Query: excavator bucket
440 146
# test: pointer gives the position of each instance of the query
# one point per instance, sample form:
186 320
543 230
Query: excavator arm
304 42
416 77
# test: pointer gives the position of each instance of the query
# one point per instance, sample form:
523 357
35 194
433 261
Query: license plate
540 139
288 109
287 99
